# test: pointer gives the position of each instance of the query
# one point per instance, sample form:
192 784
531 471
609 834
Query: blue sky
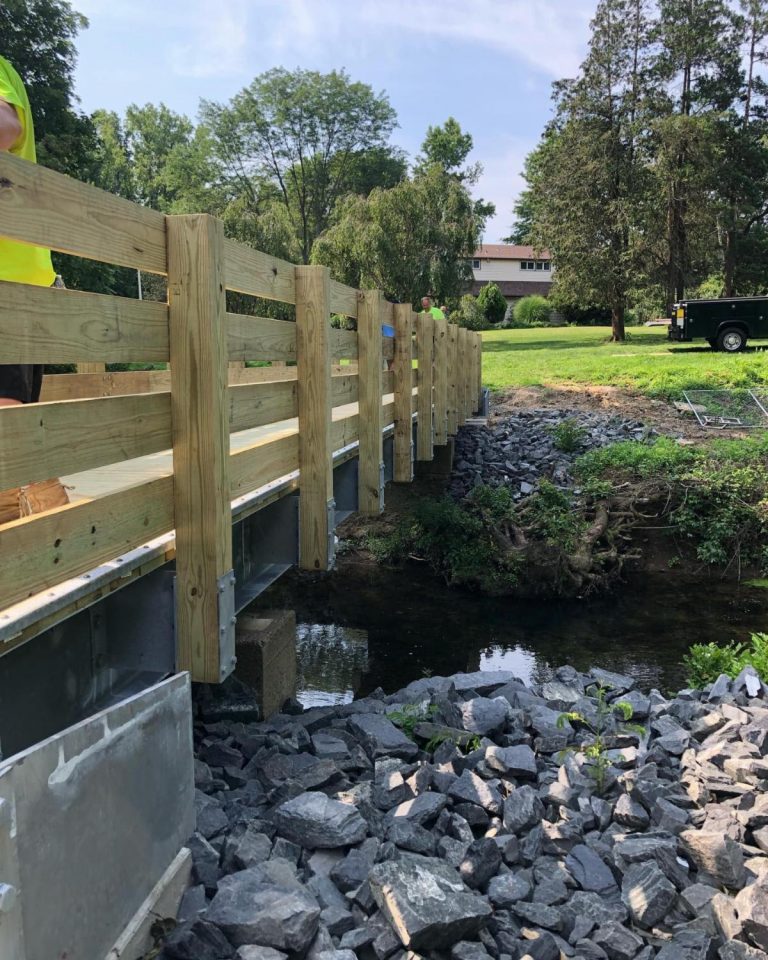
489 63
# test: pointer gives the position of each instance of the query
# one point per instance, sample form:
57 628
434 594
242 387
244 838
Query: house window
546 264
539 265
475 264
527 265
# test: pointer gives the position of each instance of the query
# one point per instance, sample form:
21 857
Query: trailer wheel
731 340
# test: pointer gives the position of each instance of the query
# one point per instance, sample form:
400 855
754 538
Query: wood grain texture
344 431
403 374
198 351
425 336
478 369
46 440
370 364
257 404
49 325
343 345
344 389
441 382
43 550
263 462
260 338
258 274
452 362
343 299
462 363
51 210
313 330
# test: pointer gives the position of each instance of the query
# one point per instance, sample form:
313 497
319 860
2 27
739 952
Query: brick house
518 271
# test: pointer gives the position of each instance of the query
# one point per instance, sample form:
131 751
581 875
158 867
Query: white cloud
219 43
501 182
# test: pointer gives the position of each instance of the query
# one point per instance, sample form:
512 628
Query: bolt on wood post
403 375
313 361
461 374
453 366
198 359
370 368
425 345
441 382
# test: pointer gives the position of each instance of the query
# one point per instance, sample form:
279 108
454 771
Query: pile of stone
330 834
522 449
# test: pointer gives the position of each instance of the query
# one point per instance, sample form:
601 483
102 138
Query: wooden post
479 371
461 368
403 370
453 386
441 382
425 343
370 363
313 356
198 353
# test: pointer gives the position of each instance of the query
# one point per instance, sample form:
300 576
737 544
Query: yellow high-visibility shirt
20 262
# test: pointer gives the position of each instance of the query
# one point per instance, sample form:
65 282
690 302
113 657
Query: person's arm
10 125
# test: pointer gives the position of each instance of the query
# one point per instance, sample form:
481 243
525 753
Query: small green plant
568 436
674 562
533 311
706 661
464 741
609 718
410 716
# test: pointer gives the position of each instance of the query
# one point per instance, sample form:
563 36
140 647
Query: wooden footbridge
195 485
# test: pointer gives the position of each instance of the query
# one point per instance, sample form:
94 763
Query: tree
491 301
449 147
300 132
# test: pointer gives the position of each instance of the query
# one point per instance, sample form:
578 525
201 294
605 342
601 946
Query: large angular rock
315 821
484 716
380 737
519 761
250 912
254 952
716 854
522 809
647 893
508 889
617 941
426 902
590 872
421 810
474 789
752 906
597 908
197 940
630 813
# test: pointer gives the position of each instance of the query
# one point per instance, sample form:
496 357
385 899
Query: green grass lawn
647 362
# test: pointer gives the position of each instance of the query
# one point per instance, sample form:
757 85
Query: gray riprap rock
634 848
467 950
522 809
508 889
211 819
736 950
590 872
410 836
617 942
518 761
193 903
617 683
716 854
480 863
752 906
647 893
253 952
483 715
245 847
596 907
667 816
722 909
315 821
197 940
426 902
380 737
562 695
420 810
720 687
630 813
475 790
482 681
641 705
353 870
538 914
249 912
696 898
748 681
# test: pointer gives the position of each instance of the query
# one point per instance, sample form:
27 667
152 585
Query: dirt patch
660 414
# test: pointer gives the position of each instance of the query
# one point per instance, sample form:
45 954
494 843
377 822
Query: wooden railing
89 420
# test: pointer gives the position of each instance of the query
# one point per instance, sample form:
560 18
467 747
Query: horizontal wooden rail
46 440
345 389
343 345
47 325
259 404
46 208
264 461
40 551
260 338
388 348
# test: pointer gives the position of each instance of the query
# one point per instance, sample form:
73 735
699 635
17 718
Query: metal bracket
382 481
227 620
331 508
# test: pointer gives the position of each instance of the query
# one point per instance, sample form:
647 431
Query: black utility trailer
725 324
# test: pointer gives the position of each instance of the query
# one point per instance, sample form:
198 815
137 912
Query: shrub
491 301
568 436
706 661
533 311
469 314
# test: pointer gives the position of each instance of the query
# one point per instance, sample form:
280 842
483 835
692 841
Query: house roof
510 251
516 288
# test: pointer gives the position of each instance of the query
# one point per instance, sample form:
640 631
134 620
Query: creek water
365 626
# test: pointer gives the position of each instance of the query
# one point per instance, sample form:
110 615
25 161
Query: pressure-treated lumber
478 368
40 551
264 461
441 382
197 309
49 209
260 338
50 325
403 377
453 387
370 315
463 391
46 440
344 389
343 299
313 343
257 404
343 345
249 271
425 335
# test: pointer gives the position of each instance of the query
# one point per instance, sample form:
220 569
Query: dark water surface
365 627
